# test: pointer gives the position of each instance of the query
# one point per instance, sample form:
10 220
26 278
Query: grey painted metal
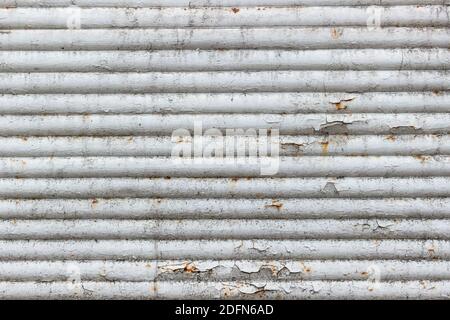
358 187
399 16
227 60
261 102
227 290
224 249
157 124
216 208
223 270
262 81
94 206
331 166
290 146
227 38
225 229
207 3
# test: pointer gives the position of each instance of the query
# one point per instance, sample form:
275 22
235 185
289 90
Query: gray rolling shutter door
92 205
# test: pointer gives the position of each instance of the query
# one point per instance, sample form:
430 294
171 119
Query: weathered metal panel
99 98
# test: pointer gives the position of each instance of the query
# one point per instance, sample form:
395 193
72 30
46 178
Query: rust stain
235 10
422 158
94 203
226 292
305 268
432 252
182 139
336 33
342 104
189 267
325 145
274 270
275 204
391 137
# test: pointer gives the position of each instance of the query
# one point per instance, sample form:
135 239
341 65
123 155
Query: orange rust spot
234 179
235 10
325 145
167 178
305 267
275 204
342 104
336 33
226 292
422 158
391 137
181 139
190 268
274 270
94 203
364 273
437 92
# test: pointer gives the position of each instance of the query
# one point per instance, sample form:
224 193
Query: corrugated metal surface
94 205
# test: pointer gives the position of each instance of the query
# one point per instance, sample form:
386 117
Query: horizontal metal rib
162 208
225 188
230 38
223 270
224 229
349 166
223 249
227 290
261 102
336 145
178 17
126 125
209 3
189 60
275 81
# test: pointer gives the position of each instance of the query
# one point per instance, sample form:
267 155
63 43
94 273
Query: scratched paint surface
92 205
